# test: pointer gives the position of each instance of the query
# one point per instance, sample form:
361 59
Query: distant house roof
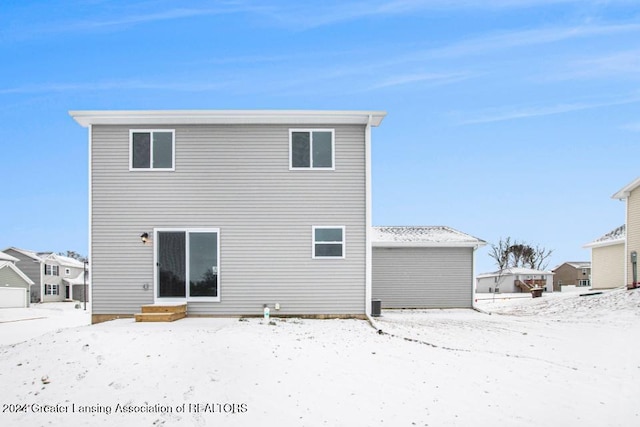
10 265
63 260
574 264
513 271
31 254
614 237
425 236
625 191
7 257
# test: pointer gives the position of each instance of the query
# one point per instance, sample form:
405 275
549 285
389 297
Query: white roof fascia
428 244
19 272
603 243
625 191
179 117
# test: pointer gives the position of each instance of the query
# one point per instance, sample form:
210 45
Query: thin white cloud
432 78
633 127
112 85
515 113
122 18
618 64
307 15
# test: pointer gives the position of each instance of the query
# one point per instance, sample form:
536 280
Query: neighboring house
59 277
31 265
423 267
572 273
608 259
49 272
14 285
631 195
229 211
514 280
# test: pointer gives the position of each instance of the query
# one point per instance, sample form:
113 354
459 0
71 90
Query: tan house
631 195
575 273
607 259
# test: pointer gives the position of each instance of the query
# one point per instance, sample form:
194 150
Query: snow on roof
69 262
11 265
416 236
625 191
79 280
61 259
7 257
513 271
613 237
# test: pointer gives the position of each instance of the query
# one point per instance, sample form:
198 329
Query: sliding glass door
187 264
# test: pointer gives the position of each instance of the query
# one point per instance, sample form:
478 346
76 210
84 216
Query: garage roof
422 236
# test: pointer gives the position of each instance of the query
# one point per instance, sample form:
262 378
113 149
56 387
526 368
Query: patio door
187 264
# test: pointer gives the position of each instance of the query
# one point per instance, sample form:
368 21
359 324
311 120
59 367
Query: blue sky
505 117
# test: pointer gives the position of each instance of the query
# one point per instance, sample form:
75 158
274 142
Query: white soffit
178 117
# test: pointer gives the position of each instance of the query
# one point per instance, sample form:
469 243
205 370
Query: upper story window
67 271
152 149
51 270
328 242
311 149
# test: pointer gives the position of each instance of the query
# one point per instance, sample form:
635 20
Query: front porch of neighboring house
529 284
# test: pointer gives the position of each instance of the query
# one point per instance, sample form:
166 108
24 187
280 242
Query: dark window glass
322 151
141 150
203 264
172 264
328 249
162 150
328 234
300 150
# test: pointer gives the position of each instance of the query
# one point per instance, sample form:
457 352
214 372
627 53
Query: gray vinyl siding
235 178
423 277
27 265
11 278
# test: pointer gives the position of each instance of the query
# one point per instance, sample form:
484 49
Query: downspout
368 221
87 274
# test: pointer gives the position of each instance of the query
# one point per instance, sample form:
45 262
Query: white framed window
311 149
67 271
151 149
583 282
328 242
51 270
51 289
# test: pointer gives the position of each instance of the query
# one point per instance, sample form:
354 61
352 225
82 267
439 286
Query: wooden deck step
162 313
164 308
159 317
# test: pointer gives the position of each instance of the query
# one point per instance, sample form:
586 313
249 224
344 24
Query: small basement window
311 149
329 242
152 149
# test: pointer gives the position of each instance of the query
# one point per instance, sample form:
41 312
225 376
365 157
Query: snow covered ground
556 360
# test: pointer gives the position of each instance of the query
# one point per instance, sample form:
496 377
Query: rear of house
230 211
